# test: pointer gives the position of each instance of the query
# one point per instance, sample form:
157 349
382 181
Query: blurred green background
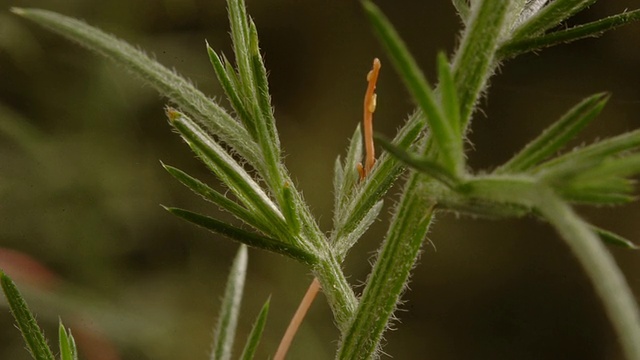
81 184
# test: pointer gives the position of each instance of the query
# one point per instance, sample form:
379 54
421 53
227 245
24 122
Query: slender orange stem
306 302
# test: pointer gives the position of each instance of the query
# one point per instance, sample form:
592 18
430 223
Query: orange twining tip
374 70
370 100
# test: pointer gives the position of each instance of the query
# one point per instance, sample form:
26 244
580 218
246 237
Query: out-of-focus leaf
225 330
613 239
167 82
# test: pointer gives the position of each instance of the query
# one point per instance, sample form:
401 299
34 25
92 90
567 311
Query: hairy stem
601 268
338 291
391 272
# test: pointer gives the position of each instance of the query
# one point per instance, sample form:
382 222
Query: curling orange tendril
369 109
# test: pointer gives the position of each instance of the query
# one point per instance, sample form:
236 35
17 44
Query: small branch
601 268
337 290
292 329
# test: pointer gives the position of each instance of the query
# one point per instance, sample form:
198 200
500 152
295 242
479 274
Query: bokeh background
82 232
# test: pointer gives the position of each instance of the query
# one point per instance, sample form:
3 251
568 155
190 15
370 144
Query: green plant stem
475 60
337 290
327 269
391 272
601 268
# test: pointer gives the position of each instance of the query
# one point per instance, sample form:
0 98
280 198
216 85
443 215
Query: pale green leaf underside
225 330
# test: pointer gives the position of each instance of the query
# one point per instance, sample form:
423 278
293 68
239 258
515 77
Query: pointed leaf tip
256 332
244 236
172 113
18 11
557 135
225 330
614 239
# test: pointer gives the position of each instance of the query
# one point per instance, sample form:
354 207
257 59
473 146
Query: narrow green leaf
240 36
230 173
245 237
451 110
33 336
597 197
262 89
256 333
346 242
592 154
266 124
350 176
289 209
338 181
603 183
519 46
613 239
557 135
442 131
487 209
229 85
74 348
215 197
475 59
519 190
448 95
462 8
603 191
527 9
232 74
225 330
419 163
206 112
550 16
68 349
613 167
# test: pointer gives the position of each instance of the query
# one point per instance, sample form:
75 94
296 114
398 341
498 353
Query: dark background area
81 184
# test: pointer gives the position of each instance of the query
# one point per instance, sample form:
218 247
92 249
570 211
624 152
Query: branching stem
601 268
